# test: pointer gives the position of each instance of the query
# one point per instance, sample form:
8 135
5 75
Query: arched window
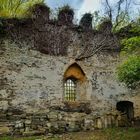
70 89
74 84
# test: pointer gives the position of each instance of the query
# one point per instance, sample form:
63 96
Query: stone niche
77 101
75 72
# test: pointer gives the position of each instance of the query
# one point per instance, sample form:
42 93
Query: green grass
106 134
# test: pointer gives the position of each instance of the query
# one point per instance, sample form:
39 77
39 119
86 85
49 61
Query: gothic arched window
70 89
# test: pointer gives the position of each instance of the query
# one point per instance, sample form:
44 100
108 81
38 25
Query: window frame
71 85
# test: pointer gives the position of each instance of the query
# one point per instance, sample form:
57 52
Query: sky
80 6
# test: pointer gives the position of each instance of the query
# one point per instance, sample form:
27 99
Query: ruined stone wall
31 92
32 81
34 59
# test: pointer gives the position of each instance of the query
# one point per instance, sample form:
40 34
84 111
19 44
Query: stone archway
77 79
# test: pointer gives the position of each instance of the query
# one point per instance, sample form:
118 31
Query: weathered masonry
57 77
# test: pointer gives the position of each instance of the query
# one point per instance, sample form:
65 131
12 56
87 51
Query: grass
106 134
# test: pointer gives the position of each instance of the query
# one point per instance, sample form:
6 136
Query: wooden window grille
70 89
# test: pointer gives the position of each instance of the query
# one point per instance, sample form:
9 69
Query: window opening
70 89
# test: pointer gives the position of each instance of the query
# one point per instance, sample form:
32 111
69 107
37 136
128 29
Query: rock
53 116
22 130
19 124
33 133
27 129
27 122
4 105
99 124
2 116
4 130
88 124
73 127
54 128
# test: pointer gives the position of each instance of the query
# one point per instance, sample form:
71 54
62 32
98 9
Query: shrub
66 14
130 45
129 71
86 21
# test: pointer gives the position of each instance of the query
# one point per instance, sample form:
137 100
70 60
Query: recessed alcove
127 108
74 83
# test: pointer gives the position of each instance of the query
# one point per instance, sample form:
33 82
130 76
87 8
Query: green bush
130 45
86 20
131 30
129 71
66 9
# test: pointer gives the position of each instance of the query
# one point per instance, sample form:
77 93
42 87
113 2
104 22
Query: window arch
70 89
74 83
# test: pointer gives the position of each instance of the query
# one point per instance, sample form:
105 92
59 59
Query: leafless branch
136 3
120 11
109 9
99 42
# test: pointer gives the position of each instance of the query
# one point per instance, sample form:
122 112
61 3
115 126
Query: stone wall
33 81
16 122
31 93
36 59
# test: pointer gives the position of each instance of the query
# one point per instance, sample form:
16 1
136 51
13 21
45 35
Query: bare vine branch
117 13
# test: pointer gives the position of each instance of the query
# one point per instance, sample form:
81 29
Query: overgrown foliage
131 30
65 14
86 21
16 8
131 45
105 25
129 71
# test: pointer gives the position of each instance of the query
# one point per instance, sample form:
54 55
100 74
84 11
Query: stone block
4 130
4 105
53 116
33 133
88 124
28 122
22 130
19 124
73 127
99 124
